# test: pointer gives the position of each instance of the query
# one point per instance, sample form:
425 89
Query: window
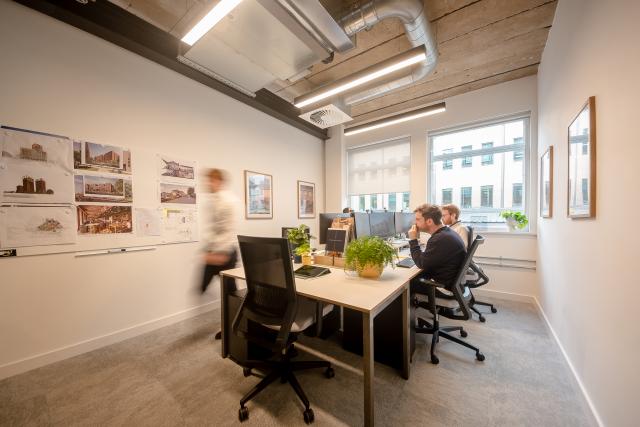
465 197
486 196
585 147
487 159
467 162
516 196
378 176
495 170
447 196
447 164
518 154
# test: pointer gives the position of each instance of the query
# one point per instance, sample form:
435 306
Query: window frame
528 198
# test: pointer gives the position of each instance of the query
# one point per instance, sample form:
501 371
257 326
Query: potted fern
368 256
515 220
300 243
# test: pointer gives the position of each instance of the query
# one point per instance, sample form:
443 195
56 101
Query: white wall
58 79
589 275
495 101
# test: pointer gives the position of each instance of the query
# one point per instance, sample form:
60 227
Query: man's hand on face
413 232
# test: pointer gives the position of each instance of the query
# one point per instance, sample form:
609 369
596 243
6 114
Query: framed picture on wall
306 199
581 200
258 189
546 183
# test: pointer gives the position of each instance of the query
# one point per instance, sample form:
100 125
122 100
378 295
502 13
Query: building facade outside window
447 164
498 178
378 176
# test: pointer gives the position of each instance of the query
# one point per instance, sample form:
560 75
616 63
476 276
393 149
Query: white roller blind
380 168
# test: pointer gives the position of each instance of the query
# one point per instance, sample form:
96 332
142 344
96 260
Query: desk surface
365 295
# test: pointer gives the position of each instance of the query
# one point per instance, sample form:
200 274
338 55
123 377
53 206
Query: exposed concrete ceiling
480 43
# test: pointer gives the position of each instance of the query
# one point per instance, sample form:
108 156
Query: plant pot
371 271
307 260
512 224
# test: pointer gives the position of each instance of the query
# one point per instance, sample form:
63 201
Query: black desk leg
227 286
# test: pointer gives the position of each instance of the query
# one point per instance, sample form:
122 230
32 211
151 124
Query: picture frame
306 199
546 183
581 144
258 189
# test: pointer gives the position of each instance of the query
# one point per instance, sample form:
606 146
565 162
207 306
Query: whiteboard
122 197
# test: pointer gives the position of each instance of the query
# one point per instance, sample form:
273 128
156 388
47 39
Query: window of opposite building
498 178
378 176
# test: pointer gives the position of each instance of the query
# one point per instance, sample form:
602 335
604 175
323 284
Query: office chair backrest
460 291
271 287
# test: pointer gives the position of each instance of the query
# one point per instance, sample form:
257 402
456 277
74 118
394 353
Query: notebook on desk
309 271
406 263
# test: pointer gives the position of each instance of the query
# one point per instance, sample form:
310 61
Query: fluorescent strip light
411 115
210 20
400 61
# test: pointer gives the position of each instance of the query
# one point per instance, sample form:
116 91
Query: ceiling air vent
326 116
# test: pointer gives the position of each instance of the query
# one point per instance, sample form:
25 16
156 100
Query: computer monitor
382 224
404 221
363 227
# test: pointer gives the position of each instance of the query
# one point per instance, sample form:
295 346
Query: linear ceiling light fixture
405 117
219 11
388 66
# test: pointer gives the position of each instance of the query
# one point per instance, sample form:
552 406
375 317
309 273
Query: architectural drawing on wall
147 222
176 193
95 188
169 168
93 219
34 167
179 225
101 158
37 225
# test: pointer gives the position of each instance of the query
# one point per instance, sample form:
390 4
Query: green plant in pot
300 241
515 220
368 256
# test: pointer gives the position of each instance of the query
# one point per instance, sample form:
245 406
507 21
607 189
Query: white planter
512 224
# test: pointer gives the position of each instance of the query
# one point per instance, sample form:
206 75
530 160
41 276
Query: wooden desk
367 296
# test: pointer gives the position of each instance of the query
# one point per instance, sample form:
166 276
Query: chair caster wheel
482 319
463 333
329 372
435 360
308 416
243 414
494 310
246 372
480 357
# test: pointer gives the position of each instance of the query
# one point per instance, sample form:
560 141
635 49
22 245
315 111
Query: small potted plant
368 256
515 219
300 240
304 252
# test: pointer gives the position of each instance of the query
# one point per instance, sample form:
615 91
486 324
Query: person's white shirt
220 234
462 231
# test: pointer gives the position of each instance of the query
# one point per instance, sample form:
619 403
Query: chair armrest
431 283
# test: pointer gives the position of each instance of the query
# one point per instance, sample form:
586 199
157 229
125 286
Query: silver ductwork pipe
417 29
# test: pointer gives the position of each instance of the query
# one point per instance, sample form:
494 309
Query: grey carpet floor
175 376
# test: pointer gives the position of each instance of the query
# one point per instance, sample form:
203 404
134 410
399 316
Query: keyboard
406 263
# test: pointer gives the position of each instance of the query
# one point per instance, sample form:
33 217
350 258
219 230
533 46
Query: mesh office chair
479 278
271 301
441 307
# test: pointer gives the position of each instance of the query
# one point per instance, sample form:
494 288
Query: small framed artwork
546 183
581 200
306 199
258 188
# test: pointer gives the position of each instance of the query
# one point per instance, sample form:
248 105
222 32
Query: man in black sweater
445 250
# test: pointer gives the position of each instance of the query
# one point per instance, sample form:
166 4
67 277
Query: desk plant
300 240
368 256
515 219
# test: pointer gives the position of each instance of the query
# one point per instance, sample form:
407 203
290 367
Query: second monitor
382 224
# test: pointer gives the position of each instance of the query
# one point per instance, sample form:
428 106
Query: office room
126 125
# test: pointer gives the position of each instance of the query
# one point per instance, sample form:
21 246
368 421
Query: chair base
437 331
481 317
282 370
